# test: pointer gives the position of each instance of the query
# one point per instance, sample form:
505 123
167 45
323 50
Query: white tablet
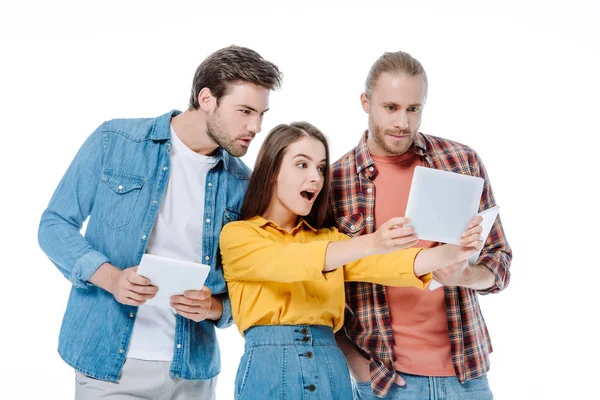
489 217
441 204
171 276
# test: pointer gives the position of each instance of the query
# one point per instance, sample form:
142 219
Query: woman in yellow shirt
285 273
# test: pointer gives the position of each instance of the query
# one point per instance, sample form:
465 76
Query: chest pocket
119 194
351 225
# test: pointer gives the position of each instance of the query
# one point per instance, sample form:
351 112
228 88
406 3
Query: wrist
480 277
451 254
105 277
113 278
370 244
215 311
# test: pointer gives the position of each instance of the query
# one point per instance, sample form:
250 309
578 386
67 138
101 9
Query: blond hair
398 63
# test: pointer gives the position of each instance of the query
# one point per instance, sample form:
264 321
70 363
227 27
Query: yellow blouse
276 277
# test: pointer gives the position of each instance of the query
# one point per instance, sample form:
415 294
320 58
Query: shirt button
144 237
130 315
304 331
209 184
165 168
208 220
155 202
371 169
121 351
309 354
305 339
207 258
120 187
178 345
352 227
312 388
369 190
369 219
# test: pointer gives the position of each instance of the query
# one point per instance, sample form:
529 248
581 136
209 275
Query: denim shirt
118 179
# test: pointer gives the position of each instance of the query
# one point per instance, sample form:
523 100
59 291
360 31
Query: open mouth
307 195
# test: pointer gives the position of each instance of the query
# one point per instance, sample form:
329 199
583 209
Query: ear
207 101
365 102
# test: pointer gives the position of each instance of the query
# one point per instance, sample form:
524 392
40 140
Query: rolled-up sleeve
496 254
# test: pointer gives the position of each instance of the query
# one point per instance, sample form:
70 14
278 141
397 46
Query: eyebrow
391 103
252 108
305 156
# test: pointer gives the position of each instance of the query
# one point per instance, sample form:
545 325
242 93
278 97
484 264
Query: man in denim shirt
163 186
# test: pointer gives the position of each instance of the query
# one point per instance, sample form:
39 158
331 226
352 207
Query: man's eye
245 111
414 109
390 108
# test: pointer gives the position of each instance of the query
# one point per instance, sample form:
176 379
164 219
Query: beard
381 138
216 131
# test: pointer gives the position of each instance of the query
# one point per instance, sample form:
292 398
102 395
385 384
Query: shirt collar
161 130
260 221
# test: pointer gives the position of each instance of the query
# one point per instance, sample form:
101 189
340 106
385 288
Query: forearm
429 260
479 278
346 251
358 365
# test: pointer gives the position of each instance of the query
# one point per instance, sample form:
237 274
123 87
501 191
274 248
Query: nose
254 125
315 176
401 120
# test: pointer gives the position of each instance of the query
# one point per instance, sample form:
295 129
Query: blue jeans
292 362
430 388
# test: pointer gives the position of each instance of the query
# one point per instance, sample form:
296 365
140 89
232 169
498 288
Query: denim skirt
292 362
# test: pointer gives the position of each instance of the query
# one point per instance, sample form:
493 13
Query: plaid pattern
367 319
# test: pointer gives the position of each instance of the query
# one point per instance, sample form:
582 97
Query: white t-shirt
177 233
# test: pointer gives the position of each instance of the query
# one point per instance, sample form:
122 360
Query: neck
192 129
284 218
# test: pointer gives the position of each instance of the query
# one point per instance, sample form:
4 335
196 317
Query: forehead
308 146
248 94
399 89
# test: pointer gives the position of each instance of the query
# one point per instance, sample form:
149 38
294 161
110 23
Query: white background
516 80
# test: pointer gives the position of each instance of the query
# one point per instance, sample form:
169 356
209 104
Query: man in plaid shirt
404 342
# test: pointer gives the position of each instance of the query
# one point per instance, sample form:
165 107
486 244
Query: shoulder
453 154
345 161
241 230
441 144
136 129
238 168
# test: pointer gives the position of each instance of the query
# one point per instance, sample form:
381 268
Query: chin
303 211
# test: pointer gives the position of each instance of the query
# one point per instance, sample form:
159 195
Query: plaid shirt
367 319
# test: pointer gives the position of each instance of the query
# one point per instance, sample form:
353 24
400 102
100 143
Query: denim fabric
118 179
292 362
430 388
